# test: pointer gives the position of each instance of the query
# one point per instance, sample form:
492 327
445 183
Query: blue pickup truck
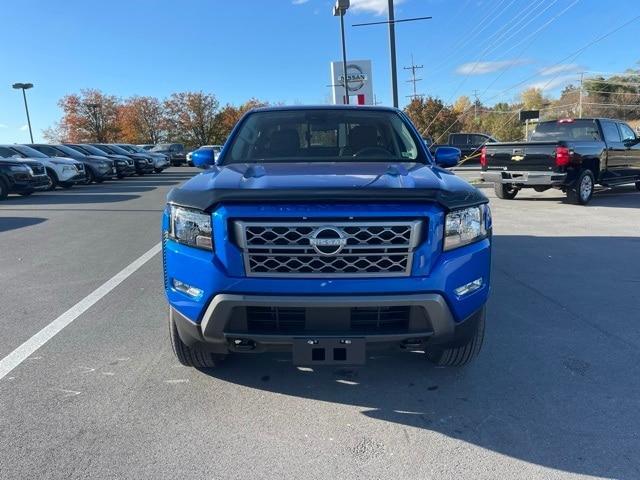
326 232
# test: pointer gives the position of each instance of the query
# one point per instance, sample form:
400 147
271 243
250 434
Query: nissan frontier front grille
329 248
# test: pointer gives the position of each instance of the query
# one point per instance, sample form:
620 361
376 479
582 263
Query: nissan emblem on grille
328 241
308 248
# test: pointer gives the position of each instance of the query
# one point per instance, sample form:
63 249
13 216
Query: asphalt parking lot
554 394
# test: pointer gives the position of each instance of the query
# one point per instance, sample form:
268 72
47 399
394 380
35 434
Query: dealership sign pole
340 9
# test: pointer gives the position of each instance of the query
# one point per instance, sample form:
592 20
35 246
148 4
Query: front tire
66 185
190 356
505 191
53 180
4 190
581 191
638 185
460 354
90 177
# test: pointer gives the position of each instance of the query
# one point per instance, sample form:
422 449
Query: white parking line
23 352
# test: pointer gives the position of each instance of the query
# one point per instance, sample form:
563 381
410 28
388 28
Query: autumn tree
90 116
432 117
191 117
229 115
533 99
142 120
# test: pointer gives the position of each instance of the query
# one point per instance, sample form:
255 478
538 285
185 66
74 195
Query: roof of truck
324 107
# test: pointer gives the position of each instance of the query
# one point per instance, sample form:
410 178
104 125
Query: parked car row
28 168
175 152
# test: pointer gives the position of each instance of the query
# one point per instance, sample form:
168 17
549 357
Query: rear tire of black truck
581 191
459 354
190 356
505 191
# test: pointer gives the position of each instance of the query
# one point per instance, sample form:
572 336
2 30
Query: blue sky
279 50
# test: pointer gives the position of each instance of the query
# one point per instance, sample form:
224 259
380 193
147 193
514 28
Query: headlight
466 226
21 169
103 164
191 227
69 168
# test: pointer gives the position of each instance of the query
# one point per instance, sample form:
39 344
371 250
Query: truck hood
322 182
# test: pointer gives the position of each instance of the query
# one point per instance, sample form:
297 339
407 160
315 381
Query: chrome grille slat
370 248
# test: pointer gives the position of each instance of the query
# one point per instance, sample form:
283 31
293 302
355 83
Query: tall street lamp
339 9
23 87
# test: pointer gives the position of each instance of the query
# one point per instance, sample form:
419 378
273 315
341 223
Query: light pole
23 87
339 9
392 45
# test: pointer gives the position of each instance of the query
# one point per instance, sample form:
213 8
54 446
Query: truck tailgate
521 156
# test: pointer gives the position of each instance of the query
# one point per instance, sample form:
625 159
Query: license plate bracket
329 351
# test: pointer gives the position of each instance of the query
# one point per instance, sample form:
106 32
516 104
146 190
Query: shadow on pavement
620 197
14 223
68 198
557 383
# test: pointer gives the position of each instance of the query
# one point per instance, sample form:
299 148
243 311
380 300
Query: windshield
162 146
67 150
6 152
118 150
28 151
585 130
127 148
133 149
90 149
323 135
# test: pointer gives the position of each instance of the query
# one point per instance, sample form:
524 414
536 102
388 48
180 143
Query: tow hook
243 344
412 342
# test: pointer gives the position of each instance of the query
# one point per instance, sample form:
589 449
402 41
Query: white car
63 172
216 151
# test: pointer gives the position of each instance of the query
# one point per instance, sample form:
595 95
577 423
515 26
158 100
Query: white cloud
373 6
24 128
298 2
555 82
554 70
482 68
2 125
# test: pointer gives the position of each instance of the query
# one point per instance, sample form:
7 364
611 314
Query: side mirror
203 158
447 157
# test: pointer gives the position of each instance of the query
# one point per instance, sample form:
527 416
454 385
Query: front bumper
29 184
79 178
144 168
432 322
525 178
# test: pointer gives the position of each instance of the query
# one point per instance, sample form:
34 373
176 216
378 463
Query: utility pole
475 104
414 79
392 45
580 98
392 53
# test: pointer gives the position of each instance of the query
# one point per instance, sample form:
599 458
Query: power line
414 79
475 66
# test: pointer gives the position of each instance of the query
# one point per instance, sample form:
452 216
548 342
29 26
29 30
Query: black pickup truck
469 145
571 155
